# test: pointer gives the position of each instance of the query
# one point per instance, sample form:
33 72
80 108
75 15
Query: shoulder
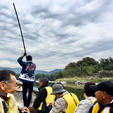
33 63
88 101
43 91
85 101
84 104
60 101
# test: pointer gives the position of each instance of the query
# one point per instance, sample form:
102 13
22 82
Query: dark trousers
27 93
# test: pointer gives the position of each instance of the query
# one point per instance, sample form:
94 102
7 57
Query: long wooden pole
19 27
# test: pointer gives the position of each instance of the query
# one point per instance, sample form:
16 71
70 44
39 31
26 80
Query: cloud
56 32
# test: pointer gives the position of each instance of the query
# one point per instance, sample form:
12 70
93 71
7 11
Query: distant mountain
41 72
55 70
46 72
18 70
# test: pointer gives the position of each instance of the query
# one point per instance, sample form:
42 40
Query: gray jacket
84 105
60 104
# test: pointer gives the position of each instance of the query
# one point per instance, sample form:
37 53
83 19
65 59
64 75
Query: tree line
86 67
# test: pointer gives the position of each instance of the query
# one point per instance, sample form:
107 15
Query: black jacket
41 97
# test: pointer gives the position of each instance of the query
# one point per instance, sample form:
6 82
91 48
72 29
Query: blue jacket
28 69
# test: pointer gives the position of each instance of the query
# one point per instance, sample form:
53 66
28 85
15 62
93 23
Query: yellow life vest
72 102
49 98
12 104
96 109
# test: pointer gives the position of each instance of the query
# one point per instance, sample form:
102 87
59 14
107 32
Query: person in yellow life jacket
43 99
65 102
104 96
7 89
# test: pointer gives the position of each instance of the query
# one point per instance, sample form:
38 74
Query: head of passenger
43 81
88 91
104 92
7 81
58 89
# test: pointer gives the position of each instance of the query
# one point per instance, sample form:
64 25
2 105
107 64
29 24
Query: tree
87 61
71 65
106 64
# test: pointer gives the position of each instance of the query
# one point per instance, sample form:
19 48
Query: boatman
27 77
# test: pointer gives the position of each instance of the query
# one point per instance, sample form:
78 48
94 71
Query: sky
56 32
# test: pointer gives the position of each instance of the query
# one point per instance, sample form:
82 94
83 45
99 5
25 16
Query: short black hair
5 75
88 90
29 57
44 80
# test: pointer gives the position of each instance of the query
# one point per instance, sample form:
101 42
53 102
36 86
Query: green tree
106 64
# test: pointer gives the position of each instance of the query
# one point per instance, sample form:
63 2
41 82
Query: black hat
44 80
106 86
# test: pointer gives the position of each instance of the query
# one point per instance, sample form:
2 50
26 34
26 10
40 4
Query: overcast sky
56 32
